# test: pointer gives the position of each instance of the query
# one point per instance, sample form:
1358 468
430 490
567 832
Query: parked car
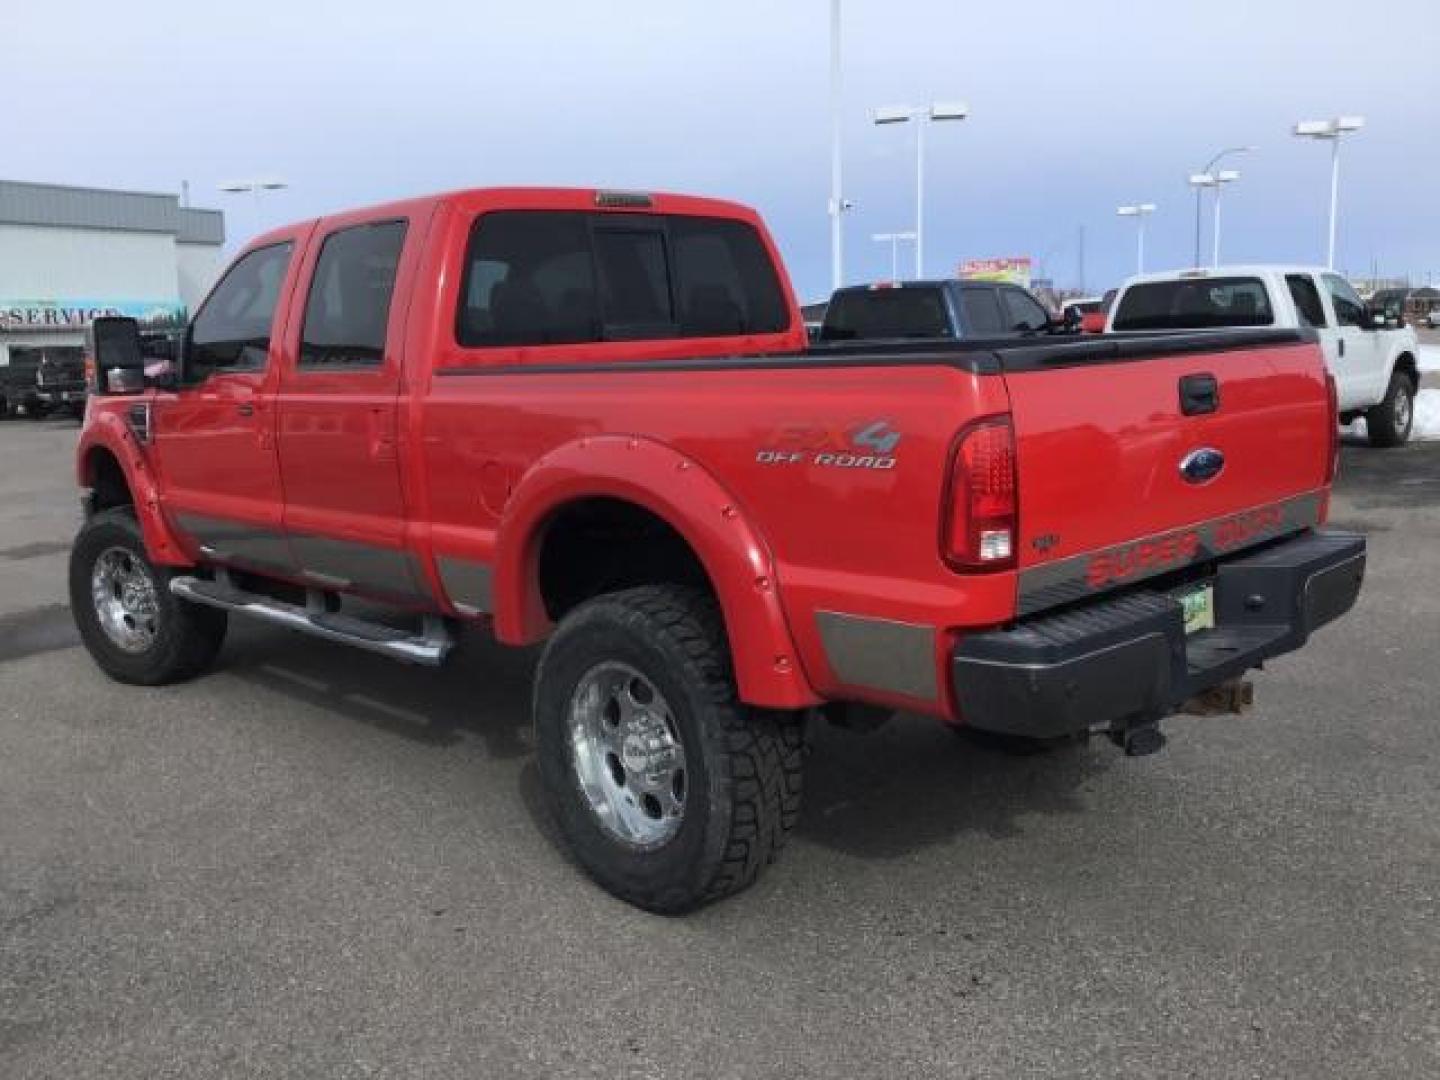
1077 307
19 386
40 380
953 309
1373 360
590 419
60 380
1432 318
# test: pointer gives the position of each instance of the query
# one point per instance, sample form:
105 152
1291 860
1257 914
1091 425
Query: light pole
1139 211
893 239
255 187
837 200
1208 170
1216 180
1332 130
903 114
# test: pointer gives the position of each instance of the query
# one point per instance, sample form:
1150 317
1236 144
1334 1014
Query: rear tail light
979 530
1332 400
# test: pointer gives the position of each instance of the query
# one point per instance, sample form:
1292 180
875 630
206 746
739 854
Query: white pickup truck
1373 361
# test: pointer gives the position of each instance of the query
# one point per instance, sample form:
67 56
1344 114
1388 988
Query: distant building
68 254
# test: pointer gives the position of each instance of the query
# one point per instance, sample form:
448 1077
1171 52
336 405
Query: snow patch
1426 425
1429 359
1427 415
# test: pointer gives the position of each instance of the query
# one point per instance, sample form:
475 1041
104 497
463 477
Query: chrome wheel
627 753
125 601
1402 410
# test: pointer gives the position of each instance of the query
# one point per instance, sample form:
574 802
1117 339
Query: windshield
1194 304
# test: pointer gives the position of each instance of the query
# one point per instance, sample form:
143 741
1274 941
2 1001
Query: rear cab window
1199 303
887 313
542 277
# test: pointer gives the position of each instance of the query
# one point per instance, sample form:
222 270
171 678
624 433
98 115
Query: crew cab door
339 423
1351 349
214 437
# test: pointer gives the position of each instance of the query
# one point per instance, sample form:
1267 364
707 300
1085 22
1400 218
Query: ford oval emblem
1201 465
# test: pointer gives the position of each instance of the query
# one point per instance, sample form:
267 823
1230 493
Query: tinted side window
981 309
349 304
529 280
1307 299
232 329
1194 304
1349 310
725 282
1022 311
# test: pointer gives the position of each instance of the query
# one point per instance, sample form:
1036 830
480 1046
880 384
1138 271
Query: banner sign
1014 270
77 314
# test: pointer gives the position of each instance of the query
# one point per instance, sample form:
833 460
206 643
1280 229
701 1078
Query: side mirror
1092 322
114 344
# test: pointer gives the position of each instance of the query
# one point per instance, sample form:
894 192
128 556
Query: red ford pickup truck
591 419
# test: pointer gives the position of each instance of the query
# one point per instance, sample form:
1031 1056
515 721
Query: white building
68 254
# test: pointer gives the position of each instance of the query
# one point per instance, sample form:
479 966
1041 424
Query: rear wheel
668 790
136 629
1389 422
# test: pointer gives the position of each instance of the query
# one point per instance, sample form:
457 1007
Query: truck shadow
483 691
881 795
915 783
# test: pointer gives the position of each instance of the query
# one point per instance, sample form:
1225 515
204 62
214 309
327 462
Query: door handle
1199 394
1342 346
245 409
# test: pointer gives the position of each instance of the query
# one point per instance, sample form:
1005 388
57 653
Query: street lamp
837 201
1209 170
893 239
255 187
1139 211
1331 129
1216 180
903 114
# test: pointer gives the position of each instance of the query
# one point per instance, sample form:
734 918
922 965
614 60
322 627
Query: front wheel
669 791
134 627
1390 421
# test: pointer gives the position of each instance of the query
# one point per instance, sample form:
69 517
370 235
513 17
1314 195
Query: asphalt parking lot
306 864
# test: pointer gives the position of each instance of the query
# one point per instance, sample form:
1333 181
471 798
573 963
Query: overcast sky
1075 107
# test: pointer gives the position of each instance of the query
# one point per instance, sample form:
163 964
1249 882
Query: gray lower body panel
880 654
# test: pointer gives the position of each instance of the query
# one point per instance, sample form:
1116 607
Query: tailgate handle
1199 394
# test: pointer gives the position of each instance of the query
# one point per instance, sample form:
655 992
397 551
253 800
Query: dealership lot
305 865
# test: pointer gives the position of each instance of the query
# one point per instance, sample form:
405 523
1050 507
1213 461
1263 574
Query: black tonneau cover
984 357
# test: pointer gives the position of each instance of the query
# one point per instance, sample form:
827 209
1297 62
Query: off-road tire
187 637
1389 422
743 765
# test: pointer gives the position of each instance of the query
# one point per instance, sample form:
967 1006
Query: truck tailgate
1125 472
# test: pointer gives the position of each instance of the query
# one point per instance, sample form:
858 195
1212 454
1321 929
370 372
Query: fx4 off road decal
867 445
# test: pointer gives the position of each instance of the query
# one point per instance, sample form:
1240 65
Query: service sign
1014 270
78 314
